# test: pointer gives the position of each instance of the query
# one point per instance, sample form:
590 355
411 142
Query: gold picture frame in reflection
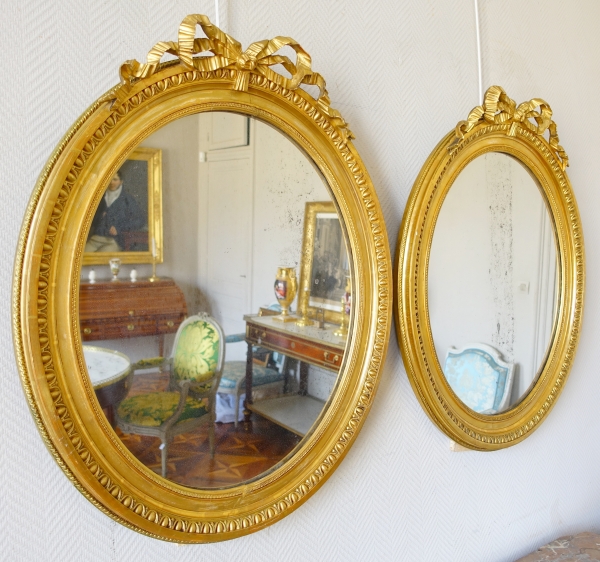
128 222
324 263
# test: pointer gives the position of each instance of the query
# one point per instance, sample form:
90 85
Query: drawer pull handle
254 333
87 331
130 327
170 323
293 345
329 358
131 313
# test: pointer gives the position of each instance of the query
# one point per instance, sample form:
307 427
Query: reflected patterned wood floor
240 453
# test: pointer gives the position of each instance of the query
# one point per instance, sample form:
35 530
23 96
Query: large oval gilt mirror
201 290
490 273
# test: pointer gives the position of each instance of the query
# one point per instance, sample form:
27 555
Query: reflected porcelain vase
285 287
115 265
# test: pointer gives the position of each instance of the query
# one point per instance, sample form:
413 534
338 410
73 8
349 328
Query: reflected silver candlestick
154 276
342 331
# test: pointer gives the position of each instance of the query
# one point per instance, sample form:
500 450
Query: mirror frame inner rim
449 158
45 310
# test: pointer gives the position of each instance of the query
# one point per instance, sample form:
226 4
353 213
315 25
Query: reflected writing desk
127 309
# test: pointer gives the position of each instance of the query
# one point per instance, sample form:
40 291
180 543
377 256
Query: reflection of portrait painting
280 289
120 223
330 262
127 223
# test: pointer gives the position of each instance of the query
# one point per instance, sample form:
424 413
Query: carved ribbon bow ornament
227 53
498 108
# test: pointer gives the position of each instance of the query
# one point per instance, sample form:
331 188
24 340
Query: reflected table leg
109 411
303 383
249 361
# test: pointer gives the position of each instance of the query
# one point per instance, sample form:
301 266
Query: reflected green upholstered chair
195 369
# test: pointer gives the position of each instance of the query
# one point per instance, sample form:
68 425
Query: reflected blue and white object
231 395
479 377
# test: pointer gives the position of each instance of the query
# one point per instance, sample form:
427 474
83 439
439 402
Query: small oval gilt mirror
202 290
491 288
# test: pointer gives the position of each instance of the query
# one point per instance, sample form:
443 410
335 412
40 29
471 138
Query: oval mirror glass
238 224
492 283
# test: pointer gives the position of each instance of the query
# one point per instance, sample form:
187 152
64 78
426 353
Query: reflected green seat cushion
152 410
197 352
234 371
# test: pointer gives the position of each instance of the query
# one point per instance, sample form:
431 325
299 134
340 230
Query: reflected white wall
492 266
282 180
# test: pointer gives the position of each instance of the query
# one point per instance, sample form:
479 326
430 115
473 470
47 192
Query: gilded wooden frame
497 125
49 260
306 265
153 156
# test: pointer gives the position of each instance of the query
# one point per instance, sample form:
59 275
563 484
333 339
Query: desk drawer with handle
305 350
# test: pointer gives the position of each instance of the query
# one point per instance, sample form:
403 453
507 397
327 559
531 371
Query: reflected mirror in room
492 283
237 224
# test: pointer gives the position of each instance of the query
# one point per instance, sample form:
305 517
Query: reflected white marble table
110 372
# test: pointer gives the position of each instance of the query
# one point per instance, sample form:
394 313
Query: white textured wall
488 242
402 72
284 180
179 144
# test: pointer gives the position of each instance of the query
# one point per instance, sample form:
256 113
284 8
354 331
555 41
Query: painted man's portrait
121 220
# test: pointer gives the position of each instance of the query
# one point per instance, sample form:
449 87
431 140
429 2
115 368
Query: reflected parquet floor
241 453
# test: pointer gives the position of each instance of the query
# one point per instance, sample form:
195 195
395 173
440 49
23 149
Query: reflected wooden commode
113 310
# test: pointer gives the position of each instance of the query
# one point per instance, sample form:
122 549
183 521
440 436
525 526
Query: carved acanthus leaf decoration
227 53
498 108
